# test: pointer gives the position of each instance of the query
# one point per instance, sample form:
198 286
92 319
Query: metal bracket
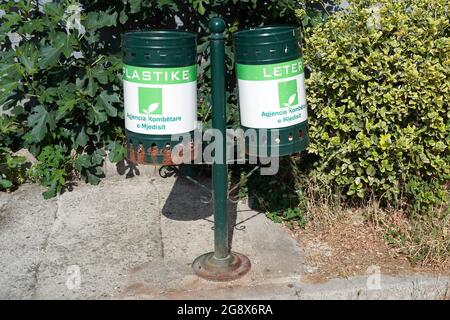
170 171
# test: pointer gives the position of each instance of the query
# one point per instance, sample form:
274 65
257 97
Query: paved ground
136 238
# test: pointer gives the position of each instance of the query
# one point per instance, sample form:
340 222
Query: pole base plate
208 267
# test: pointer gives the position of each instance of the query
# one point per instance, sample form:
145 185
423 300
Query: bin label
160 101
272 96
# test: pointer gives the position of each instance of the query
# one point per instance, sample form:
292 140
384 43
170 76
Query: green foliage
12 171
63 81
279 196
378 94
9 131
52 170
62 84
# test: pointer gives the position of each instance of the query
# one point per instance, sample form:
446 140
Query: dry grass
323 206
424 239
350 248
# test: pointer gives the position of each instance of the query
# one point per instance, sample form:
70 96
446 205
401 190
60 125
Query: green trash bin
271 82
160 92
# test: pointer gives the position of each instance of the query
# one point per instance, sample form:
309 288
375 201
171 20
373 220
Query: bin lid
270 44
159 48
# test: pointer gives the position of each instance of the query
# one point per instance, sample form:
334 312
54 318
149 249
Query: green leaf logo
153 107
288 93
292 99
150 101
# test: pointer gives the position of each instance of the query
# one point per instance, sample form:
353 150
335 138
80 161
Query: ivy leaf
65 40
135 5
100 19
9 20
82 138
385 140
6 90
82 162
33 26
169 3
92 179
370 170
10 85
41 120
5 184
198 5
123 17
28 56
305 20
50 55
91 88
54 11
99 115
7 70
90 166
92 74
100 74
117 151
55 182
97 159
51 192
107 100
66 106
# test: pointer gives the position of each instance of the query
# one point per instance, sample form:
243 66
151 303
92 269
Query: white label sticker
272 96
159 102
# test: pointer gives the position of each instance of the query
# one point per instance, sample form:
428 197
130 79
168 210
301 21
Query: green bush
61 85
64 84
378 99
52 170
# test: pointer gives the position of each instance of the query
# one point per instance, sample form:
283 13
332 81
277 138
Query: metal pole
220 265
219 167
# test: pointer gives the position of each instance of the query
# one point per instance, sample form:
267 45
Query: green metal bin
160 92
271 82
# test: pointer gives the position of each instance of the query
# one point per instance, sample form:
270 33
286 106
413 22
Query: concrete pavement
135 235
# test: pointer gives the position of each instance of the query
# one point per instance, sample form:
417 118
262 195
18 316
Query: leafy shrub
378 95
63 82
52 170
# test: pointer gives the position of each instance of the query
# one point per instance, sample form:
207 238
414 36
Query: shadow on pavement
188 201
